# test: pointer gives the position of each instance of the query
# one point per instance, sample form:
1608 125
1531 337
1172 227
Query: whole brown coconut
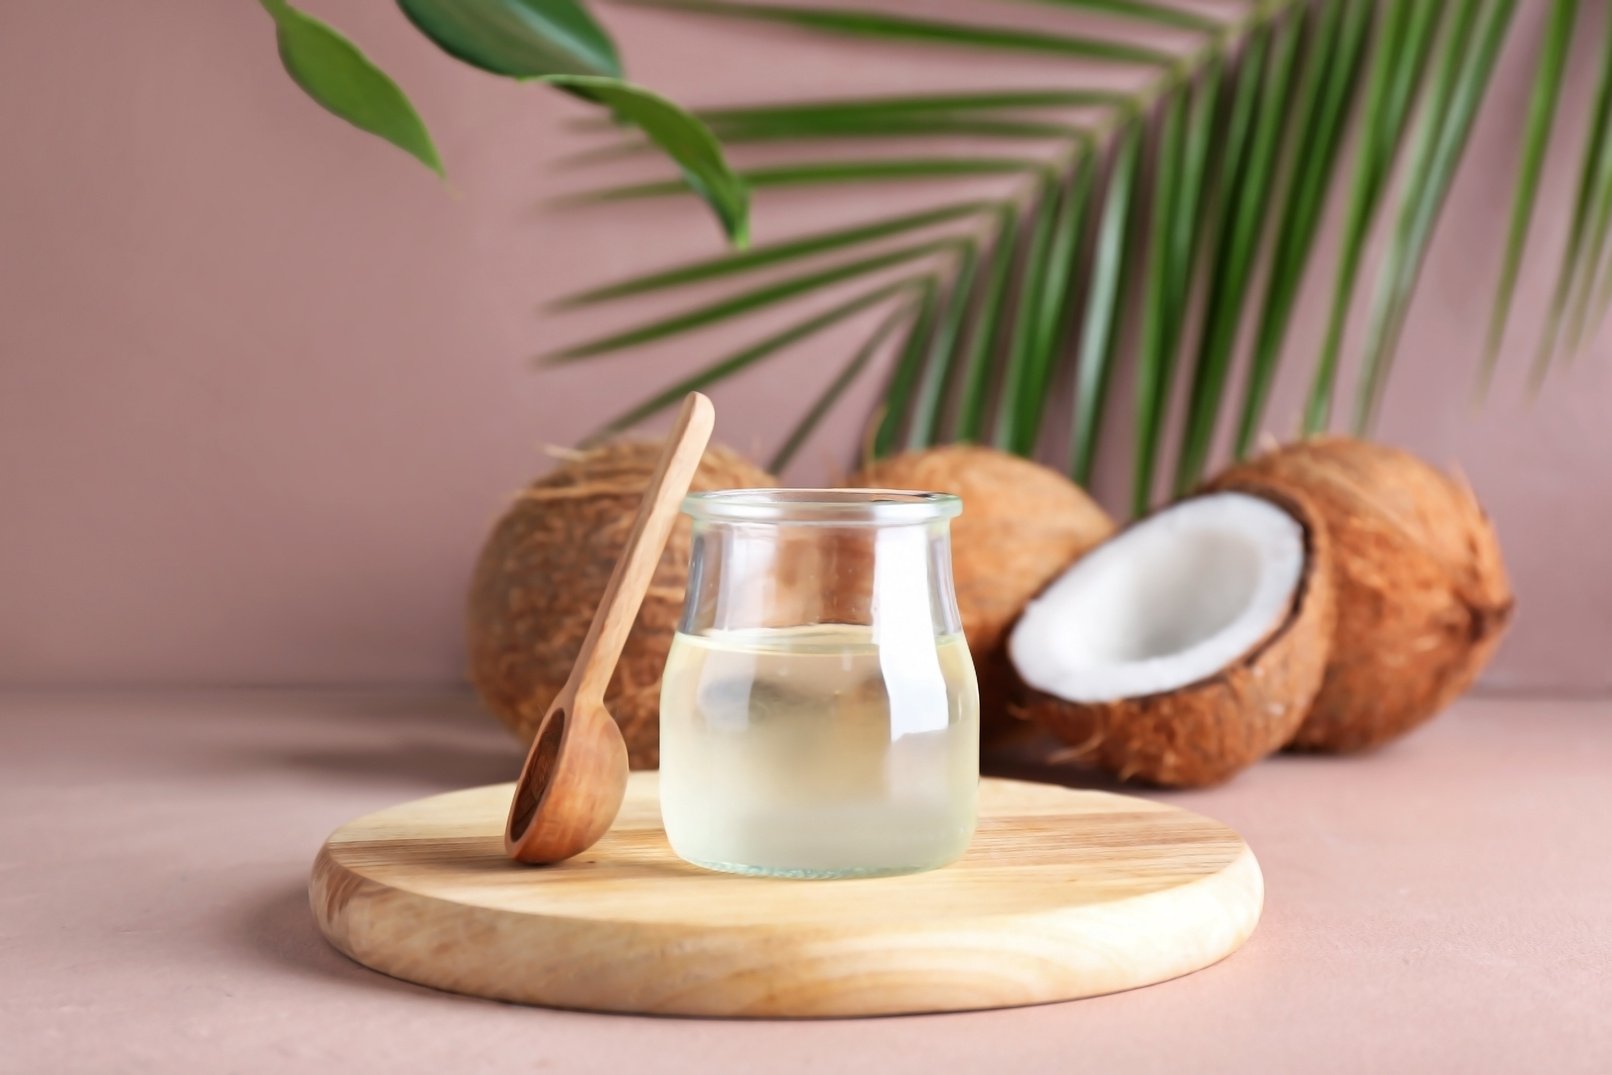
1207 731
1422 594
1022 524
544 568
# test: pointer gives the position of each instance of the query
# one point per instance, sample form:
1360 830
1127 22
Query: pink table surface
1441 906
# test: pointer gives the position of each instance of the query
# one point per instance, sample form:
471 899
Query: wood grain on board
1063 894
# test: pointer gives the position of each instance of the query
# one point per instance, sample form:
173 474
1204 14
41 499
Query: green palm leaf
936 375
1053 322
755 299
879 25
1398 71
1145 11
820 173
1104 298
1009 430
1158 298
915 106
1541 116
1248 125
1317 137
905 376
878 125
975 373
1590 170
1463 78
778 253
1246 187
749 356
836 388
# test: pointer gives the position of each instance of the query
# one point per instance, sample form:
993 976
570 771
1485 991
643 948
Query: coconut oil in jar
819 713
813 751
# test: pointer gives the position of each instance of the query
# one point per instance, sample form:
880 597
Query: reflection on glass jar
819 715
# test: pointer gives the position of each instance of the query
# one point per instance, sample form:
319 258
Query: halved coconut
1188 646
1422 593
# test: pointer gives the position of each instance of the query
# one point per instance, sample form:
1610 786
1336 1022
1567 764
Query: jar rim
838 506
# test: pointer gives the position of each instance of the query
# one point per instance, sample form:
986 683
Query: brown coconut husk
1423 597
1206 732
1022 525
544 568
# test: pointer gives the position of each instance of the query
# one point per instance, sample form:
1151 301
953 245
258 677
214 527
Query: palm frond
1474 44
1215 167
1541 116
755 299
1398 72
823 173
1104 298
880 25
1591 169
1248 181
836 388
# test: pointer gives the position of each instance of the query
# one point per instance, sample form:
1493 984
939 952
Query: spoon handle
617 610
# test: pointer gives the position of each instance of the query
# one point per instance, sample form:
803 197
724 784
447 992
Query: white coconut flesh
1172 600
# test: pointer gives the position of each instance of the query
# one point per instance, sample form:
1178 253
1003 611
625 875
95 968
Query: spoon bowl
571 787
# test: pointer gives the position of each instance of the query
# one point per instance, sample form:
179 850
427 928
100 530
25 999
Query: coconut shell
1022 525
1423 597
544 568
1208 731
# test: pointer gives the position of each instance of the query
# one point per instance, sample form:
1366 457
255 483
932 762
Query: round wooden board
1063 894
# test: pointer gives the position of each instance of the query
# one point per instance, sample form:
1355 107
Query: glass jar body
819 713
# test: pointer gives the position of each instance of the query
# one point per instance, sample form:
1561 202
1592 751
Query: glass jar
819 713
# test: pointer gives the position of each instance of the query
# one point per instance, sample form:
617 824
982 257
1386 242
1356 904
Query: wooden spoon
576 773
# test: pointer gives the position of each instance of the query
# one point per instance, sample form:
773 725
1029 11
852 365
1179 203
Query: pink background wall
264 382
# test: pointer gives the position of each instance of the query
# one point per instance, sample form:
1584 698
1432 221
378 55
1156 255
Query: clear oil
817 752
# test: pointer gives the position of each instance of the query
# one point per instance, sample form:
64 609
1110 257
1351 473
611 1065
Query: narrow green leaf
1472 63
924 421
1248 78
880 25
1104 300
1399 69
819 173
1144 11
1541 117
755 299
917 105
1590 169
683 138
905 376
885 125
1153 368
519 38
982 331
1243 204
836 388
748 356
1053 320
1008 433
1603 297
778 253
1596 244
1193 190
1318 133
342 80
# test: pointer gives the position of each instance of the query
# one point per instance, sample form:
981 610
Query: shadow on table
1037 759
424 761
280 930
433 741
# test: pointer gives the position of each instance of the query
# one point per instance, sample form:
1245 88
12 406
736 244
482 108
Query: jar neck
752 574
